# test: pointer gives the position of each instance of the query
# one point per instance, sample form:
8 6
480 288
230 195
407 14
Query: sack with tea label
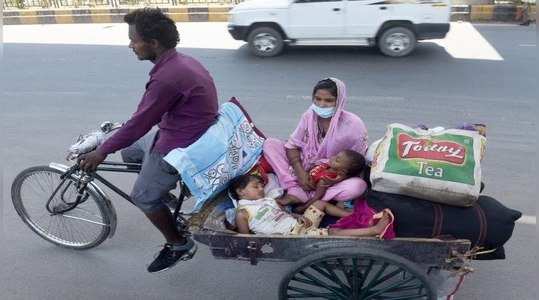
440 165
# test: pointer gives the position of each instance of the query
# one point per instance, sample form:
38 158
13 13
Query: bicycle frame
83 179
133 168
116 167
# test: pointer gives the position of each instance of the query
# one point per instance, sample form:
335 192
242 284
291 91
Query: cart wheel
350 273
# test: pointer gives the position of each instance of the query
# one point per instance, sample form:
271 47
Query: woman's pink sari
346 131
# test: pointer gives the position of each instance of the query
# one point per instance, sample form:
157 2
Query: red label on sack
410 147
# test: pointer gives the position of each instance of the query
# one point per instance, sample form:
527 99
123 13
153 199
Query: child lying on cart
345 164
260 215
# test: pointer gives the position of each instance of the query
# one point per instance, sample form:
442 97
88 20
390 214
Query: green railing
21 4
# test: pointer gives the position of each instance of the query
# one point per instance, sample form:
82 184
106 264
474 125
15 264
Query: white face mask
324 112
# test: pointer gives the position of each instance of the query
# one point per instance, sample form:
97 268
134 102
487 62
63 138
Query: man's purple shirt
180 98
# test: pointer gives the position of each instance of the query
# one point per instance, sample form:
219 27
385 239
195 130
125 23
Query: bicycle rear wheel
83 227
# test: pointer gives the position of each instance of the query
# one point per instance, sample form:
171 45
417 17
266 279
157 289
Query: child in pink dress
344 165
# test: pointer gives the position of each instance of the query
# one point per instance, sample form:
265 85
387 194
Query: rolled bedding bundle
488 224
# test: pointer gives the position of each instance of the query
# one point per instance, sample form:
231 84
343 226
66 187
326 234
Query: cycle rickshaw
67 207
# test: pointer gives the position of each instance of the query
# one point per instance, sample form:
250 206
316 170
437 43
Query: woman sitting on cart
324 130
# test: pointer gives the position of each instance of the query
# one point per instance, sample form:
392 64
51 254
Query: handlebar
89 142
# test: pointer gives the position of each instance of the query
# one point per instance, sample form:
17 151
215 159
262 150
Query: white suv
394 26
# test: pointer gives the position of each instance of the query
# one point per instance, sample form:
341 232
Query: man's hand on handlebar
88 162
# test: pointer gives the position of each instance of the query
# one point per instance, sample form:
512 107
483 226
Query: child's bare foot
381 227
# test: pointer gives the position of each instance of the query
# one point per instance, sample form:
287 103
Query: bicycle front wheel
83 227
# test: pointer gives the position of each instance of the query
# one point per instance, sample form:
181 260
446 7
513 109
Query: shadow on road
424 52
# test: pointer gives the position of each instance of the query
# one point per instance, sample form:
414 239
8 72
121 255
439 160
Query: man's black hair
241 182
153 24
356 163
326 84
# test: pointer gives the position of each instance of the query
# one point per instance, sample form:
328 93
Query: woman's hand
305 182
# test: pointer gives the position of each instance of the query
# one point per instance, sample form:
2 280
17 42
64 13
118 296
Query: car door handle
336 9
383 7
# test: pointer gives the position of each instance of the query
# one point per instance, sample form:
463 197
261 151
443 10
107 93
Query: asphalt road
57 82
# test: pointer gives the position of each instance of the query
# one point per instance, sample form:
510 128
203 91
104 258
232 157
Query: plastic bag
440 165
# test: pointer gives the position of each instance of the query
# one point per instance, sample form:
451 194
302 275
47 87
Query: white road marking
529 220
528 45
464 42
494 25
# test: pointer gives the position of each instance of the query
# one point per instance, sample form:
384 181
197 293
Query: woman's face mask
323 112
324 104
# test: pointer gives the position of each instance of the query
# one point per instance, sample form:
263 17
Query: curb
490 13
469 13
111 15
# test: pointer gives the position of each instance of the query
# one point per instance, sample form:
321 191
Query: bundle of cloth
488 224
230 147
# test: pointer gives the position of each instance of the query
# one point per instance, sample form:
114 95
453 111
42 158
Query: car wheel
265 42
397 41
